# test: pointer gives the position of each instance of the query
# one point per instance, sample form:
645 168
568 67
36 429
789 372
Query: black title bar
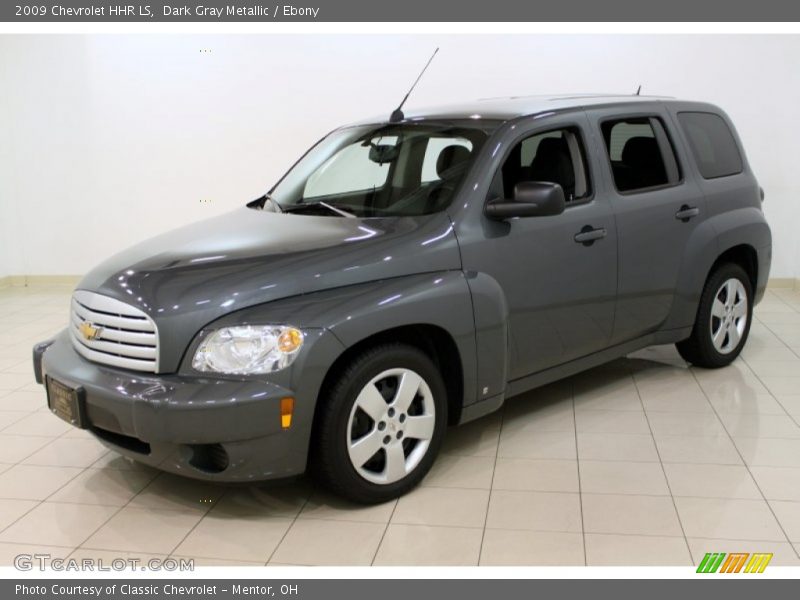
699 588
399 11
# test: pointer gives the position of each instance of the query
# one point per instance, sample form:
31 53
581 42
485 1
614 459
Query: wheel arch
743 255
433 340
741 236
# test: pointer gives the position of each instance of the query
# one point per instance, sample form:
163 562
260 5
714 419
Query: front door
558 273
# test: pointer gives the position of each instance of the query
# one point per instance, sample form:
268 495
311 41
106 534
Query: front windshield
393 170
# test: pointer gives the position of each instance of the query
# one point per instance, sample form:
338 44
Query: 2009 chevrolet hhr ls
408 274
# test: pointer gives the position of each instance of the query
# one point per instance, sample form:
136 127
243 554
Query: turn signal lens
290 340
287 408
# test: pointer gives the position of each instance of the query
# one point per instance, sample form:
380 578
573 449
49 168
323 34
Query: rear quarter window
713 145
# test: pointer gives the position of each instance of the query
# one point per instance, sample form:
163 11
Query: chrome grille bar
121 335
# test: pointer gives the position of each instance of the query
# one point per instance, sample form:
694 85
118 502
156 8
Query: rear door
657 208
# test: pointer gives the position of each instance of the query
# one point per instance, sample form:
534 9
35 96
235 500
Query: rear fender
710 240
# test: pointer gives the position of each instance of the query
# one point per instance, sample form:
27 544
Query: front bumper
223 429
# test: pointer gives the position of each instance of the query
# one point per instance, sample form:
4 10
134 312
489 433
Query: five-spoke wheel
723 319
729 316
380 426
391 425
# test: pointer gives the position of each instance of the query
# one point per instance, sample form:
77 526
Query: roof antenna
398 115
639 89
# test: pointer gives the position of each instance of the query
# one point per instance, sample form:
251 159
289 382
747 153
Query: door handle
588 235
687 212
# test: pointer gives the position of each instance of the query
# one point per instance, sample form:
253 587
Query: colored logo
89 331
735 562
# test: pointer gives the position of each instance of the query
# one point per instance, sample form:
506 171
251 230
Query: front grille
119 335
123 441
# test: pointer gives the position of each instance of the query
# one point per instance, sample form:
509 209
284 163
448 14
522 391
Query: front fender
354 313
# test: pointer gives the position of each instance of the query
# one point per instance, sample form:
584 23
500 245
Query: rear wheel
723 319
380 427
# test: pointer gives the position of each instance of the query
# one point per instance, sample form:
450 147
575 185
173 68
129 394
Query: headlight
248 349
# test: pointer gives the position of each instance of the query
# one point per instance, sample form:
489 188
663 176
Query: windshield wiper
344 213
330 207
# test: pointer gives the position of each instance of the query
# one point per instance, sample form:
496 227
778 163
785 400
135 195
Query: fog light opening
287 408
209 458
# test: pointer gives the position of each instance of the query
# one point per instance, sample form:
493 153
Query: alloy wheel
391 426
729 313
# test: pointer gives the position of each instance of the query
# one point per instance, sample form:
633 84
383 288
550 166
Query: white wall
106 140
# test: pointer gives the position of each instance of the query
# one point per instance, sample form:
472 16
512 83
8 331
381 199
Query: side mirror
531 199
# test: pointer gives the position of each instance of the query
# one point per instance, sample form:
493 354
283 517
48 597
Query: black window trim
665 146
691 148
587 169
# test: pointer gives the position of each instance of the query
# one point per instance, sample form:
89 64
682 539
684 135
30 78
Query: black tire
331 465
699 348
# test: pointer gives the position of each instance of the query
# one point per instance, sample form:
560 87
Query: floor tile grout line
71 548
675 537
773 293
114 514
418 524
40 501
537 530
578 467
46 444
755 481
504 490
491 485
23 515
119 510
200 520
383 535
761 381
292 524
663 469
24 416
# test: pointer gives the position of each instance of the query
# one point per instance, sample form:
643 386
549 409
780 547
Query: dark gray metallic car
408 275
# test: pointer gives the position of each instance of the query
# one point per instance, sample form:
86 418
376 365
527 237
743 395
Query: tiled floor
642 461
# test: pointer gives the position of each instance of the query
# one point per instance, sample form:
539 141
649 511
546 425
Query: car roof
507 108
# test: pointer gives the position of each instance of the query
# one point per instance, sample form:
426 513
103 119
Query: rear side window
641 154
712 143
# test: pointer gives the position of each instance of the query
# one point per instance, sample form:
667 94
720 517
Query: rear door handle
687 212
588 235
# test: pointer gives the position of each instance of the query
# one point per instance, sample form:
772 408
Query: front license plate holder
66 402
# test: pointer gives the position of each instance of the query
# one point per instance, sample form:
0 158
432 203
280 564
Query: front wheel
379 429
723 319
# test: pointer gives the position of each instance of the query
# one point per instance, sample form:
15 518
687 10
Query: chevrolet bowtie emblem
89 331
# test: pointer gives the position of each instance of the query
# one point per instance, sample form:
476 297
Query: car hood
186 278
